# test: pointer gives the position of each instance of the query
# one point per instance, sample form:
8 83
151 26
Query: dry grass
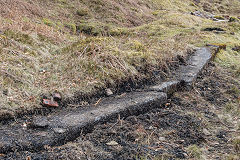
41 50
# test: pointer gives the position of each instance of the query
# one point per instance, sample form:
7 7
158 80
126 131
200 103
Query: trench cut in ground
57 129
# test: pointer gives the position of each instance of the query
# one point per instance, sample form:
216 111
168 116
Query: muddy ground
202 123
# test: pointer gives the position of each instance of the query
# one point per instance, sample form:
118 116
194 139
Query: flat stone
59 130
50 103
129 104
161 138
66 126
109 92
150 128
196 63
167 87
39 122
206 132
112 143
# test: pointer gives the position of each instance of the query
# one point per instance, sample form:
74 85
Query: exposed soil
191 117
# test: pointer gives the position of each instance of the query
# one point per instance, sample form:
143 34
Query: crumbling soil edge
65 127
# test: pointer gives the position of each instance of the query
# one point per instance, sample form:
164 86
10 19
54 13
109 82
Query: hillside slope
81 47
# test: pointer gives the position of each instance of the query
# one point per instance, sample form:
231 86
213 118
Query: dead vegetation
83 46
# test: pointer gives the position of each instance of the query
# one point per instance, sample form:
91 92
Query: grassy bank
82 46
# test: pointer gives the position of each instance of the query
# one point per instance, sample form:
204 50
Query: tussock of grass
236 144
229 59
194 151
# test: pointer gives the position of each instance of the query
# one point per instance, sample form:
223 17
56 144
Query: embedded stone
57 96
59 130
50 103
109 92
39 122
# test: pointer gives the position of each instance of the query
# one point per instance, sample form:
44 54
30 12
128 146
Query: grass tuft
194 151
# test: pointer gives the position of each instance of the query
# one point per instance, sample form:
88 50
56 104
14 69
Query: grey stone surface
196 63
186 73
39 122
167 87
59 130
63 127
108 92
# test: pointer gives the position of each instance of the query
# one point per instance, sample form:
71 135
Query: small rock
150 128
57 96
206 132
161 138
24 125
109 92
50 103
40 122
59 130
41 133
112 143
2 155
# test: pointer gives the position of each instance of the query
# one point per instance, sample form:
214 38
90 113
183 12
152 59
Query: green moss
220 45
82 44
72 27
20 37
194 151
219 17
89 28
236 144
155 13
237 72
82 12
133 9
234 27
234 90
138 46
233 19
229 107
119 31
229 59
96 29
48 22
232 157
193 4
